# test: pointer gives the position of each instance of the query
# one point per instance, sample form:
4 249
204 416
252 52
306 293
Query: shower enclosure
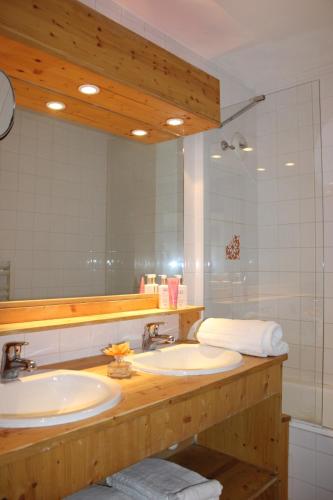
265 192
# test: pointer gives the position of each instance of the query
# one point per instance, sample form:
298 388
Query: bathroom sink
187 359
55 397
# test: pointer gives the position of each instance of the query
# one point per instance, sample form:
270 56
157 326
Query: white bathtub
303 402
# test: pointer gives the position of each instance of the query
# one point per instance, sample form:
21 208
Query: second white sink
187 359
55 397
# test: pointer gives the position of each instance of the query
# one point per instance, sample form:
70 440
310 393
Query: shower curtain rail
248 106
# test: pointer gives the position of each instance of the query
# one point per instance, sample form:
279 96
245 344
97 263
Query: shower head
225 145
238 143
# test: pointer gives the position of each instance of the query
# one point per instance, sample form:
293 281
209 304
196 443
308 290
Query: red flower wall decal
232 250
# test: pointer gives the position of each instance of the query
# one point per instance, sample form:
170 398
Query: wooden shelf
66 322
241 481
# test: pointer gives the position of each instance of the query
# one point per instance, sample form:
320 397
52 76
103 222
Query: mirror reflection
7 105
83 212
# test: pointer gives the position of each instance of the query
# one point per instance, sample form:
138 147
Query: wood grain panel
44 70
144 391
37 315
186 322
76 32
155 412
31 312
58 44
240 480
35 98
259 436
284 457
253 436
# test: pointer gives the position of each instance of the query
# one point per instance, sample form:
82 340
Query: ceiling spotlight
261 169
55 105
247 148
290 164
89 89
216 157
138 132
175 121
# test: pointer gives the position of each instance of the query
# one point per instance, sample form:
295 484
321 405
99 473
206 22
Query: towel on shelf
97 492
154 478
253 337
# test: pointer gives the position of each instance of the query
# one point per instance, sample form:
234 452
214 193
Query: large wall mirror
83 212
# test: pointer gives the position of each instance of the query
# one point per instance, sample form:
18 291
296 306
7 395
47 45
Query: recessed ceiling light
175 121
138 132
55 105
261 169
290 164
216 157
247 148
89 89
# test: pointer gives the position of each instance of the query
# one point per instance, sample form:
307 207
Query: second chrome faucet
151 339
12 363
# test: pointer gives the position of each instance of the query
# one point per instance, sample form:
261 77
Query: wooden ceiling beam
59 44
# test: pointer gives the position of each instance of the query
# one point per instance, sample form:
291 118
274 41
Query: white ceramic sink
55 397
187 359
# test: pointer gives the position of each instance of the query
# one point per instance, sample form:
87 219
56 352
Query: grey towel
96 492
154 478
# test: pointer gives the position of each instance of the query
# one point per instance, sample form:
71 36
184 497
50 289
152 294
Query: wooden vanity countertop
140 394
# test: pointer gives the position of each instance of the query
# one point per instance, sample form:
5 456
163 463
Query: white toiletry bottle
163 293
151 286
182 292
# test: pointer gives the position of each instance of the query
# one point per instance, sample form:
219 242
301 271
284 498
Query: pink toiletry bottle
142 285
182 292
173 292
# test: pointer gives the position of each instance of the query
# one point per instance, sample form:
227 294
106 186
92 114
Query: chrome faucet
152 339
12 363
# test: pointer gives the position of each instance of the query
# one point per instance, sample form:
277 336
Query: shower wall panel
231 283
271 197
290 238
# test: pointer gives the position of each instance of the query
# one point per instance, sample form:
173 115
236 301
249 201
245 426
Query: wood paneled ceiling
51 47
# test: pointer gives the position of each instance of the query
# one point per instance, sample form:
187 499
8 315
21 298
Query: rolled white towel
154 478
253 337
97 492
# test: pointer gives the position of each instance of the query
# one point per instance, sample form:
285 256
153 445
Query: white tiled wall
53 346
130 229
144 212
310 463
169 207
52 207
193 217
75 201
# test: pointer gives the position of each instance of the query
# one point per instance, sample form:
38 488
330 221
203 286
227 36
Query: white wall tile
302 490
46 205
324 469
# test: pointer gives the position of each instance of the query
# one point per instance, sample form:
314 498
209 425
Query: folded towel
154 478
253 337
97 492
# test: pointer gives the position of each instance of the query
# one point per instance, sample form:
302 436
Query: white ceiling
264 42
